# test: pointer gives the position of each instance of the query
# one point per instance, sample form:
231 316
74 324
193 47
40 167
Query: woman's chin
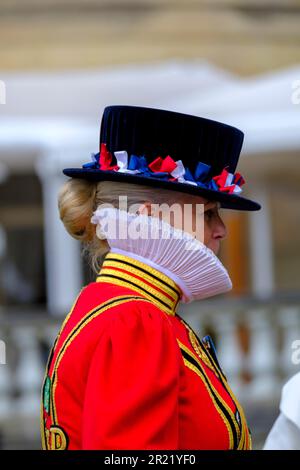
215 247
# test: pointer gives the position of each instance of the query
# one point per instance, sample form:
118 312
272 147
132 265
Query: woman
126 371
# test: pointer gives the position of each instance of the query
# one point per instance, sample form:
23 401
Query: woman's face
203 221
214 227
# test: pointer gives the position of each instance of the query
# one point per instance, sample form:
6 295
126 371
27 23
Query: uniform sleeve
131 398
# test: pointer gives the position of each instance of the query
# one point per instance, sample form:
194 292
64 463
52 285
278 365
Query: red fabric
105 159
163 165
137 407
238 179
221 181
121 382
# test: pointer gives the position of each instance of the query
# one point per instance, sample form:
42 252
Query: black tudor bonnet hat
170 150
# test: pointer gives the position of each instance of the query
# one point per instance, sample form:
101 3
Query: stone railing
28 337
254 342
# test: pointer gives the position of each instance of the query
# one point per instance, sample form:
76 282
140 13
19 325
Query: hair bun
76 201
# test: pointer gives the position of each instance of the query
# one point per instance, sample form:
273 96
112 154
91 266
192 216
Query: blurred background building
61 63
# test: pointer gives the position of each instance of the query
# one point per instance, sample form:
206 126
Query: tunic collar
126 271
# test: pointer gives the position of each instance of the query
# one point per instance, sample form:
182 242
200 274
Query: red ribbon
238 179
227 189
167 165
220 180
105 159
162 165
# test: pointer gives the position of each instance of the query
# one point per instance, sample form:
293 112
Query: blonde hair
79 198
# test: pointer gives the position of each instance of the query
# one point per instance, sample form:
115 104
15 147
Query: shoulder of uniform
137 322
93 295
138 312
115 310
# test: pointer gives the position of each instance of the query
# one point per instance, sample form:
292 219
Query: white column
261 247
63 262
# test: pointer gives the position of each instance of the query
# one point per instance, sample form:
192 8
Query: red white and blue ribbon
166 169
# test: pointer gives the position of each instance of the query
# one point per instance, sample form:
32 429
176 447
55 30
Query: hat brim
228 201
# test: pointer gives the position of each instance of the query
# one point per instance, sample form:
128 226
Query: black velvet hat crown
170 150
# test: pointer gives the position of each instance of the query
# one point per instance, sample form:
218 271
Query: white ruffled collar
196 270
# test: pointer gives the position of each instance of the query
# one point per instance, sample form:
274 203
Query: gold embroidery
157 302
155 281
195 343
244 427
69 314
229 430
42 420
139 264
161 287
127 277
58 438
223 402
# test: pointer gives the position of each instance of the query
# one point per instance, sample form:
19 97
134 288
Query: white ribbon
122 162
179 173
237 189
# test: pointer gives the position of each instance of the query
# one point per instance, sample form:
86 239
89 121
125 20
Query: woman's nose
220 230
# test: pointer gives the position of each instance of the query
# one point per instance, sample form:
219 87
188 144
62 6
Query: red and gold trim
239 434
152 284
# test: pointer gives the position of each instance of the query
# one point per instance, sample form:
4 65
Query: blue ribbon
202 171
137 163
140 163
94 164
188 175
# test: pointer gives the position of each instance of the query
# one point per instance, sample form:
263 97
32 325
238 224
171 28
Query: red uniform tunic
126 372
